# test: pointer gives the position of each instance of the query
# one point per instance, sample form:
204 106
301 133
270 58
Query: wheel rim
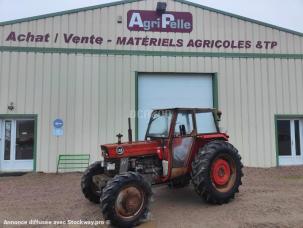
223 173
129 202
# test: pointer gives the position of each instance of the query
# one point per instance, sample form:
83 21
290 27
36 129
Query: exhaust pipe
130 131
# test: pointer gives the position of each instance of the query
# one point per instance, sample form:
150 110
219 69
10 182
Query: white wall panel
103 22
95 94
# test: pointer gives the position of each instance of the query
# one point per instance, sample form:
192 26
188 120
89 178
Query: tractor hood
140 148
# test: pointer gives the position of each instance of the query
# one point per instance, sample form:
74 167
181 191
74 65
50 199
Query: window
284 137
160 124
297 137
186 120
205 123
7 143
25 139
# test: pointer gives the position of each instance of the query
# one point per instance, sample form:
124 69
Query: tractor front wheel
125 199
217 172
92 181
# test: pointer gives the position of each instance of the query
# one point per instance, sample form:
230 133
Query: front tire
125 199
90 188
217 172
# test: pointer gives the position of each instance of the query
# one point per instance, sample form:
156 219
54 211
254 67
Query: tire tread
111 191
201 171
93 169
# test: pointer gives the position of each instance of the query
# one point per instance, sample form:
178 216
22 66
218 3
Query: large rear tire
90 187
125 199
217 172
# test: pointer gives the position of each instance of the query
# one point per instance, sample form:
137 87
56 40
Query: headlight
110 166
104 151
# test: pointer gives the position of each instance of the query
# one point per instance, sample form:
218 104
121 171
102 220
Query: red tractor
181 145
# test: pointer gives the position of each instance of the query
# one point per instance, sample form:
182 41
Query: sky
287 14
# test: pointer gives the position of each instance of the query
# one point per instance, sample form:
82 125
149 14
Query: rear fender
202 140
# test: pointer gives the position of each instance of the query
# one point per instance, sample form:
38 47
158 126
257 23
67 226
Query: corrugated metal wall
94 94
103 22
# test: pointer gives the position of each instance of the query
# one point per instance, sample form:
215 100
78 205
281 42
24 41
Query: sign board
58 127
58 123
152 21
145 24
58 131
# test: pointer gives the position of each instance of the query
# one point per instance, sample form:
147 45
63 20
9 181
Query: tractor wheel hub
132 204
220 172
129 202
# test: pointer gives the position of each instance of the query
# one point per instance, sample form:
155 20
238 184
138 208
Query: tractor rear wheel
125 199
91 182
217 172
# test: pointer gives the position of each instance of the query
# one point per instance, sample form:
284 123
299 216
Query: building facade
70 80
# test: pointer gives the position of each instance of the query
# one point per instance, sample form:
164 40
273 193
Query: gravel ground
268 198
